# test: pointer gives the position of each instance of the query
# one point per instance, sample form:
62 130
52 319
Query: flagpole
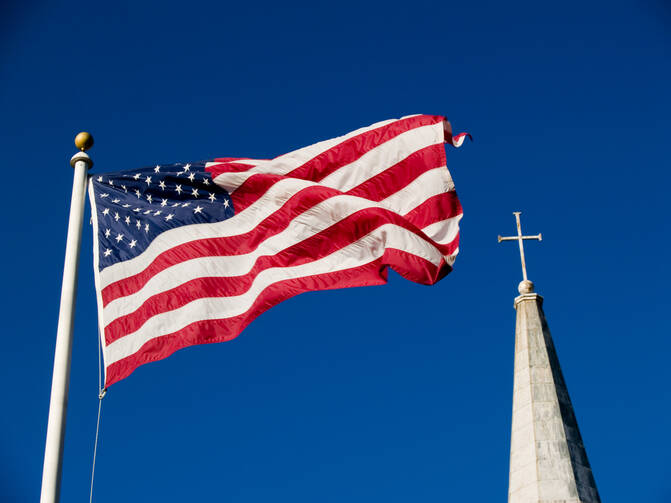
53 452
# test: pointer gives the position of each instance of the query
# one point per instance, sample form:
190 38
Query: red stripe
435 209
353 148
322 244
328 161
252 190
453 140
242 243
229 245
375 188
399 175
338 235
230 159
230 164
457 138
209 331
225 167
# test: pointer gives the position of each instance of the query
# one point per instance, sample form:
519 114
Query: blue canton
133 207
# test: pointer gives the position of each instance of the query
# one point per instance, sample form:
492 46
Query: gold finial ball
84 141
525 287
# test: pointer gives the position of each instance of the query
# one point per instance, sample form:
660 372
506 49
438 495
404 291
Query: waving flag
191 253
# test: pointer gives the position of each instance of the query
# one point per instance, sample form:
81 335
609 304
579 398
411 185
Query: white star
137 193
186 167
206 181
126 205
161 184
157 213
118 237
169 217
148 180
194 192
107 233
191 176
225 203
157 169
102 196
107 252
178 189
127 220
100 178
197 209
137 176
116 201
106 211
149 198
211 197
147 212
124 188
132 243
175 205
164 202
116 216
146 227
138 224
137 209
110 182
184 205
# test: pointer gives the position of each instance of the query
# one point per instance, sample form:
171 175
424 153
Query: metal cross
519 238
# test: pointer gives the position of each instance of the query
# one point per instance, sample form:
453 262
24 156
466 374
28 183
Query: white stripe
428 184
96 264
286 163
445 231
241 223
450 259
303 226
459 141
231 181
361 252
384 156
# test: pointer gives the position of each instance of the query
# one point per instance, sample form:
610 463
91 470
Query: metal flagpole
53 452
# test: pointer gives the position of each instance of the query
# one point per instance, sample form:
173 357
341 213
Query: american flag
191 253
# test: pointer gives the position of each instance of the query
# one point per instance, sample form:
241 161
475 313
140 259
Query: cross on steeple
520 238
548 461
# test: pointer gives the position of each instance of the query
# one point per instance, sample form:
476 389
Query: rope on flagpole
101 394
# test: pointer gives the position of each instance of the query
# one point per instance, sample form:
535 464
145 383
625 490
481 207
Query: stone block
549 430
552 450
553 469
541 374
556 490
548 463
522 477
526 494
521 360
522 437
522 416
521 397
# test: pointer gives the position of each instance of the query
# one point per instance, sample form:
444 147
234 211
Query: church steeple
548 462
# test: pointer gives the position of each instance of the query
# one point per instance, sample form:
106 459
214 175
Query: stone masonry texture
548 462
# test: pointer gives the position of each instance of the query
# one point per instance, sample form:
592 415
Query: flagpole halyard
53 452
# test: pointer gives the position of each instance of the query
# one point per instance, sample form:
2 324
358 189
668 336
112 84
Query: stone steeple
548 462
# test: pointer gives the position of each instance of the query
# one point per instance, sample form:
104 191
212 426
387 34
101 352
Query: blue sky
394 393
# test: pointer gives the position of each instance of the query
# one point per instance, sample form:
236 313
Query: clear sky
396 393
